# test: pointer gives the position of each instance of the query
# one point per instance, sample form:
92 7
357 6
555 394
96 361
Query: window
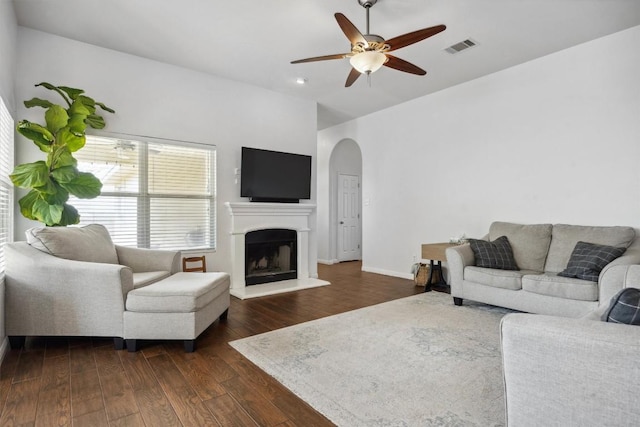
6 187
155 193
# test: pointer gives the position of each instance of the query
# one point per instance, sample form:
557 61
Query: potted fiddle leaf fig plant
51 181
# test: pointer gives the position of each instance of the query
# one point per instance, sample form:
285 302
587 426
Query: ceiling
254 41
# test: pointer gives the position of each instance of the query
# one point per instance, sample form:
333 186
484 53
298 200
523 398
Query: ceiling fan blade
402 65
321 58
353 76
414 37
350 30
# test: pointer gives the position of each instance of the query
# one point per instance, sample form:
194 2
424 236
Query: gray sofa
561 372
541 251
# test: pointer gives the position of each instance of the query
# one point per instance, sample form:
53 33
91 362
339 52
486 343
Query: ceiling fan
369 52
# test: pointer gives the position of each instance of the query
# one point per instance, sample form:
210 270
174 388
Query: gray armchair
74 281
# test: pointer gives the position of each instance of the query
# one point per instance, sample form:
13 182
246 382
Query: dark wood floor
85 382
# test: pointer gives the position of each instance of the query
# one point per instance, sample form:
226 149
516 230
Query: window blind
6 187
155 194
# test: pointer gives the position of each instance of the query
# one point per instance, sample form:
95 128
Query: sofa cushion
506 279
564 238
91 243
530 243
587 260
496 254
562 287
624 307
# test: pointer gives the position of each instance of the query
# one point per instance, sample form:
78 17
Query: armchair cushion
91 243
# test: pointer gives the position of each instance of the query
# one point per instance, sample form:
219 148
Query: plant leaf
60 196
105 108
64 174
56 118
38 134
46 213
30 175
71 91
47 189
77 107
77 125
37 102
70 215
71 141
84 186
95 121
26 204
65 158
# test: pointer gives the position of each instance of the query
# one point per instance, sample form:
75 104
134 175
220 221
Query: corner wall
553 140
165 101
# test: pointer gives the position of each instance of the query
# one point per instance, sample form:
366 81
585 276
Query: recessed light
302 80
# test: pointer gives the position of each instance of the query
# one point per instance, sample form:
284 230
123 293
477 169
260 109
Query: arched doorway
345 198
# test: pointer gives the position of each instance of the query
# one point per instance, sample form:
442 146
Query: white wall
552 140
8 36
160 100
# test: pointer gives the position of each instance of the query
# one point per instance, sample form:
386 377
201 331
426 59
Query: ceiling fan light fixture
368 62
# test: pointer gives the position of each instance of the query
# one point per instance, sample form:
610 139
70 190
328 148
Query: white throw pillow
91 243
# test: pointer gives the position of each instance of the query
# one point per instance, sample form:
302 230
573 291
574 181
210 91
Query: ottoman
179 307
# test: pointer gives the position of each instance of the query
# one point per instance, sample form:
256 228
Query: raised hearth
248 217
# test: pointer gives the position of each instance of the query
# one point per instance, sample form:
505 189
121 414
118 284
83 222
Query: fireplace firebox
270 256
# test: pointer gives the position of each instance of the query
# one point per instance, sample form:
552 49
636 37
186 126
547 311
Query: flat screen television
274 176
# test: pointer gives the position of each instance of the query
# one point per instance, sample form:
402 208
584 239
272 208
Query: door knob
341 222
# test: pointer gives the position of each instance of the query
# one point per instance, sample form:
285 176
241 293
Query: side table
435 252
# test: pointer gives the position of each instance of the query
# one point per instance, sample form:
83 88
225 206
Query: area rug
416 361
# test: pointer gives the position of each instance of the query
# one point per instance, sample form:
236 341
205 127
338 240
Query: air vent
459 47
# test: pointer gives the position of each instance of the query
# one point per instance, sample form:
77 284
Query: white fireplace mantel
246 217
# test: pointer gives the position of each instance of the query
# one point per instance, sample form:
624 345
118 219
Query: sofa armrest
47 295
615 278
458 257
141 260
569 372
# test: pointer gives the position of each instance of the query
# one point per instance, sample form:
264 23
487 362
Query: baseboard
328 261
4 349
387 272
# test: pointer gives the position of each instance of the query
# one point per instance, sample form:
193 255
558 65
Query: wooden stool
200 259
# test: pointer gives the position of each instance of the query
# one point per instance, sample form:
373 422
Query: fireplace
247 218
270 256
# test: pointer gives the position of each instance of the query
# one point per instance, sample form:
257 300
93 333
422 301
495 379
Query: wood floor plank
228 412
183 398
82 358
54 400
151 400
119 400
116 388
86 393
29 365
20 407
203 373
134 420
256 404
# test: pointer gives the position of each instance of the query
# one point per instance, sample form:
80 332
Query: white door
349 218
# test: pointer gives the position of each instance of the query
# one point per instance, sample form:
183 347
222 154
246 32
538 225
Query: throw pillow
497 254
91 243
588 259
624 307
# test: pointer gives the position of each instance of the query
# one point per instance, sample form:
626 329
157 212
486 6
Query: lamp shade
368 62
